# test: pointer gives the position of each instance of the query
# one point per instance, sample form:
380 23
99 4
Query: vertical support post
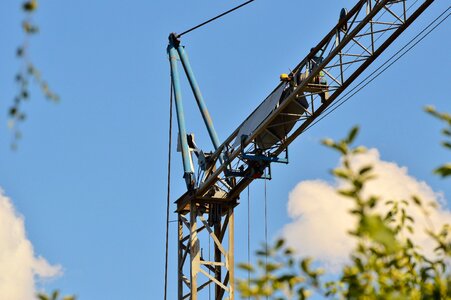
194 251
371 27
180 258
218 276
341 56
187 164
230 258
199 98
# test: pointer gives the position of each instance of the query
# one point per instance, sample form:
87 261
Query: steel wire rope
341 101
214 18
168 194
248 237
266 229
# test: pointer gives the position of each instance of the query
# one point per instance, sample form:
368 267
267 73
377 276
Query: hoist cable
266 230
248 237
345 97
217 17
168 195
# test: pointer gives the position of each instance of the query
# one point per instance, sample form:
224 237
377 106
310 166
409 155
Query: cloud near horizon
20 268
321 219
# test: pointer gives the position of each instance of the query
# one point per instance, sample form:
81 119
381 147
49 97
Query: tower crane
206 211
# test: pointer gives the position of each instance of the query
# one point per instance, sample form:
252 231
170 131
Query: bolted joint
174 39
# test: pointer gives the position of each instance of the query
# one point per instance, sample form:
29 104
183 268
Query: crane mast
206 210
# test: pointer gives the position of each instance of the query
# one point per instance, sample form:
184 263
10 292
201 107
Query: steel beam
198 96
186 156
202 272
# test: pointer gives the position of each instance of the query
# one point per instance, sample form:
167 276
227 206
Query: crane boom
359 37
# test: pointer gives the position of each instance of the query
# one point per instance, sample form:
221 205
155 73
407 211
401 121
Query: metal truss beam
196 233
372 25
206 212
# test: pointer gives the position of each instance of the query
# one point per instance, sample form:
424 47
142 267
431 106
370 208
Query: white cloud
321 217
19 267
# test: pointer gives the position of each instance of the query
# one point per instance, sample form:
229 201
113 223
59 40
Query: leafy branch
27 72
385 264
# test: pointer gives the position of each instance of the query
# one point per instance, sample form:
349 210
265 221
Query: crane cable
345 97
248 237
217 17
266 229
168 195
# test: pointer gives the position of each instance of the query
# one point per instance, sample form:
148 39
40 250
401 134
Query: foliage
54 296
386 263
276 274
444 170
27 72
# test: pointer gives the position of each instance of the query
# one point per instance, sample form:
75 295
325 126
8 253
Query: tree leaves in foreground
385 264
54 296
27 73
444 170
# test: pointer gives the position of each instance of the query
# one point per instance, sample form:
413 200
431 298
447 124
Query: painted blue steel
187 165
199 99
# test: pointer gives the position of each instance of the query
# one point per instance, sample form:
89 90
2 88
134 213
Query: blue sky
89 176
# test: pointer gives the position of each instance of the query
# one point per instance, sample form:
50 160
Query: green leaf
347 193
246 267
328 142
375 228
279 244
341 173
288 252
443 171
416 200
271 267
30 6
352 135
359 150
20 51
305 265
372 202
55 295
365 170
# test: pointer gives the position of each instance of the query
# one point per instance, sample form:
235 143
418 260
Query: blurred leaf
20 51
246 267
30 6
328 142
443 171
375 228
365 170
279 244
352 135
340 173
416 200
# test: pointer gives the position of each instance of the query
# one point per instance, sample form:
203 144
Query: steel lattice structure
206 210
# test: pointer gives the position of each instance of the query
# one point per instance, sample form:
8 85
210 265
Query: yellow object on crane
286 77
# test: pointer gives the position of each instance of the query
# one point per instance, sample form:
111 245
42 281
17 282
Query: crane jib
357 40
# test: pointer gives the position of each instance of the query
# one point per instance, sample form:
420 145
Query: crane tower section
206 210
